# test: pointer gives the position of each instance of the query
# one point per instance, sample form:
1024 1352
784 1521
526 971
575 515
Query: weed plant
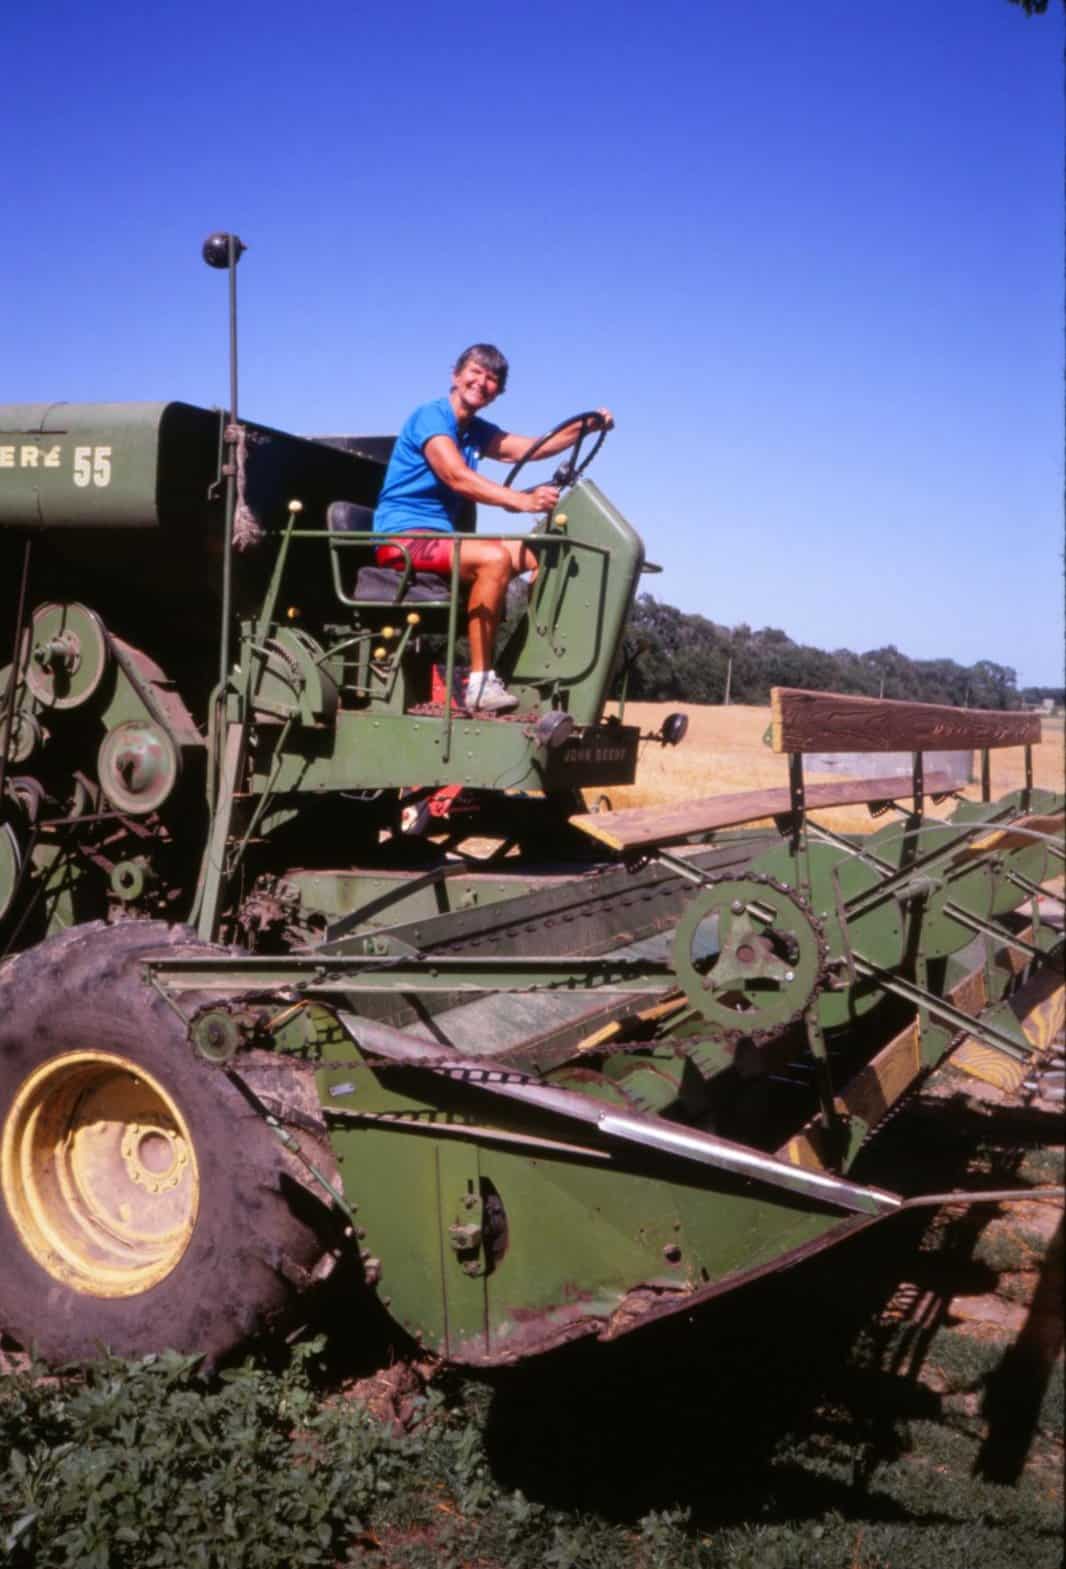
149 1465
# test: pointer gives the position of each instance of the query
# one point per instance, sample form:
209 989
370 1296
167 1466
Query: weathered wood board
638 827
831 722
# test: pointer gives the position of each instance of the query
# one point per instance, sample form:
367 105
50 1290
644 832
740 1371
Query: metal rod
415 971
1037 890
231 473
12 680
989 1034
647 1132
395 1120
991 929
994 1196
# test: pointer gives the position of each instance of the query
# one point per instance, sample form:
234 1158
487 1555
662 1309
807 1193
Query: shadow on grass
782 1401
1015 1390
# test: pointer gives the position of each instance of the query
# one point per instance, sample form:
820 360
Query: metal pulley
138 765
292 682
21 740
66 655
10 866
21 805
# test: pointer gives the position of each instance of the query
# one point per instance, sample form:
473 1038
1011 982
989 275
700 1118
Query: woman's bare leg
488 565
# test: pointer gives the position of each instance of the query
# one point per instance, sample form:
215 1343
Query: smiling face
474 386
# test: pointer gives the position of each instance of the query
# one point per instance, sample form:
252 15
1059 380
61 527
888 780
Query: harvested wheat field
724 752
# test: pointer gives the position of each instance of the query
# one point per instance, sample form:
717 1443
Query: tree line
674 656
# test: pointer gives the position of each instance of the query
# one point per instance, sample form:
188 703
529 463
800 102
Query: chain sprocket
754 971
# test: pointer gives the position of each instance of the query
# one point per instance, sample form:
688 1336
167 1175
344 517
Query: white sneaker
486 691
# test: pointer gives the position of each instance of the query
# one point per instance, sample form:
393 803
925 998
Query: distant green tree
675 656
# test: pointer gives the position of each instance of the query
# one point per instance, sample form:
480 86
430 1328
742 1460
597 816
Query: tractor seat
384 585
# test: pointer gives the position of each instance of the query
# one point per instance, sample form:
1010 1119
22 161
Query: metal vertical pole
230 469
225 250
7 727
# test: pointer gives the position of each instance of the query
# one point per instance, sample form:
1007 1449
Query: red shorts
429 553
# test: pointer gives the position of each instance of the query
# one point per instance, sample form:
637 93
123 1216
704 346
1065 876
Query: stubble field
724 752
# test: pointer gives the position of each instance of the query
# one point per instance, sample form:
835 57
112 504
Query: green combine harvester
527 1072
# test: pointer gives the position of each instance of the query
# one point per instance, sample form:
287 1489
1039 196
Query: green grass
1045 1166
1007 1248
699 1466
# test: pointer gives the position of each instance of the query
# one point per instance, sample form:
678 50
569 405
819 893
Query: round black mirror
215 249
674 730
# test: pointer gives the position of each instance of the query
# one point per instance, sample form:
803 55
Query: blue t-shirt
412 496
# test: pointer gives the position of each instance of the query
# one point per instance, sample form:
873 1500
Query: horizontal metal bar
463 1130
1037 890
738 1158
862 903
989 1034
429 972
993 1196
977 923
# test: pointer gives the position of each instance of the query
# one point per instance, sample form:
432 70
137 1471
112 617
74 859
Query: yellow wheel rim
99 1174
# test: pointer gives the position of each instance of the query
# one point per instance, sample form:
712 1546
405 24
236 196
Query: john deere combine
534 1074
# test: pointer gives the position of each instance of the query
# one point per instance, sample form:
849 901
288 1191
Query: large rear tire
144 1202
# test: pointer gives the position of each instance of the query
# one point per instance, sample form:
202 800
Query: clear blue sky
810 254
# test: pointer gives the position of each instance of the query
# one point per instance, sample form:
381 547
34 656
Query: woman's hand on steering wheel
542 498
595 422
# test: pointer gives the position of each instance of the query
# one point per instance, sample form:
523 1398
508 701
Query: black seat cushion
381 583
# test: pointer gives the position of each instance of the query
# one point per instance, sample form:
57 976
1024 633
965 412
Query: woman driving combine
433 471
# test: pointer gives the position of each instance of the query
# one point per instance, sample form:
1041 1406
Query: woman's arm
447 463
509 447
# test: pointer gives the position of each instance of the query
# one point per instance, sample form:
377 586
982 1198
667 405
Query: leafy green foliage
686 657
144 1464
147 1464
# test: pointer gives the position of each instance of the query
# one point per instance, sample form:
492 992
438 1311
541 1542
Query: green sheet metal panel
79 465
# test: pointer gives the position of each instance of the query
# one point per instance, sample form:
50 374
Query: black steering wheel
570 470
